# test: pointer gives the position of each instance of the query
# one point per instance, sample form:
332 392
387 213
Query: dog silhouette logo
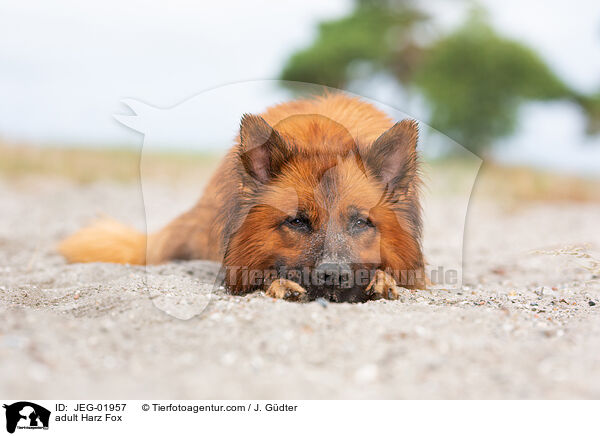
26 415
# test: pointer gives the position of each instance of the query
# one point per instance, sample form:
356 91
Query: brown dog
317 198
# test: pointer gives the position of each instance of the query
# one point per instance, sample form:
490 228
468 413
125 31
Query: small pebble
323 302
366 373
591 303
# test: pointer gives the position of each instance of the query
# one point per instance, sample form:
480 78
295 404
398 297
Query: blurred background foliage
473 79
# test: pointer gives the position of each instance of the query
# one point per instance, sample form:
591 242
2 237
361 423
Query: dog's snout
334 274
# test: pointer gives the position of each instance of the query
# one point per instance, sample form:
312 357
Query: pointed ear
392 158
263 151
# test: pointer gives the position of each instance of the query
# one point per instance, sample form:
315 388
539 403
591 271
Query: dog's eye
298 223
361 224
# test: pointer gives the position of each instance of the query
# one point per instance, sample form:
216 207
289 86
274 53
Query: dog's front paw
287 290
383 285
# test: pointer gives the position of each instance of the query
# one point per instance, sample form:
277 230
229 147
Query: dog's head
324 208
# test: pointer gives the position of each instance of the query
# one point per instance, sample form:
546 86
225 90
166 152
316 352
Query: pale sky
65 64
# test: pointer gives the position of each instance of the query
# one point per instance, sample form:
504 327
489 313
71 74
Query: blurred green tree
472 79
376 34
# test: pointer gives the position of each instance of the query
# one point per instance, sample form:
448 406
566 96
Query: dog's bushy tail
106 240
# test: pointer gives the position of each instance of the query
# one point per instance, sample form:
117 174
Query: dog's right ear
263 151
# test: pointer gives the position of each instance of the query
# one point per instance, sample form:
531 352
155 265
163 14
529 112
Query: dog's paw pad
286 290
382 286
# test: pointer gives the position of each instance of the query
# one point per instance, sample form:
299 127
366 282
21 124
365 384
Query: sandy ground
523 325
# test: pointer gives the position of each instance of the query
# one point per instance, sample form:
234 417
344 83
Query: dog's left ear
393 158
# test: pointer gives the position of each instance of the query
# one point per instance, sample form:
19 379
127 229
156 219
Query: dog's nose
332 274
